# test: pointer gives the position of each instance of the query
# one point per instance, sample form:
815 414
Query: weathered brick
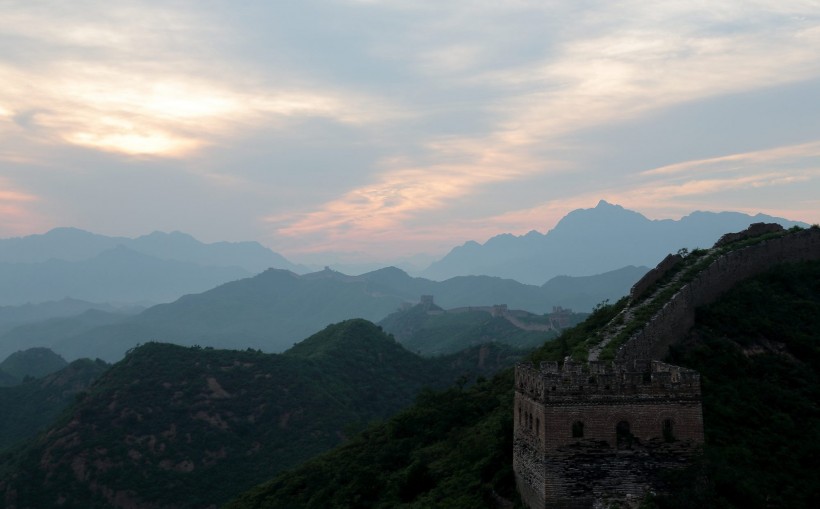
567 449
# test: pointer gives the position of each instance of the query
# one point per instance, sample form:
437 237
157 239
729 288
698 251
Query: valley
187 406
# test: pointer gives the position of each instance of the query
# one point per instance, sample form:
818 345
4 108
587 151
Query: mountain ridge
757 348
272 310
172 426
74 244
157 267
574 245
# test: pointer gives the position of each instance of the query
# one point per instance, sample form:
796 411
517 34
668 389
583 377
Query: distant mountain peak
591 241
388 271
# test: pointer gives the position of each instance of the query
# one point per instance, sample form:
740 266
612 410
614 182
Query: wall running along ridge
558 465
677 316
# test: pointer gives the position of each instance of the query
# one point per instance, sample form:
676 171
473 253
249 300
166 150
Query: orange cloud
649 61
18 218
121 85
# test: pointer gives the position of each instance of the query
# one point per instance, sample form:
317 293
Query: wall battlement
603 430
603 381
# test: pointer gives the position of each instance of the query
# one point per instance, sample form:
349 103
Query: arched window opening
577 429
668 430
624 436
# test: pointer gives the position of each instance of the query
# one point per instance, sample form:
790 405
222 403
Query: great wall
559 318
592 434
677 316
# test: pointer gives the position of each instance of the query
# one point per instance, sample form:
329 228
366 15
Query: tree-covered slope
34 362
438 332
450 449
273 310
32 406
758 349
170 426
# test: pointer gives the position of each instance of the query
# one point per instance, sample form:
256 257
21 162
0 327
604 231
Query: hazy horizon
358 263
371 131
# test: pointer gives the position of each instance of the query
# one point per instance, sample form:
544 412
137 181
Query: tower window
577 429
624 435
668 430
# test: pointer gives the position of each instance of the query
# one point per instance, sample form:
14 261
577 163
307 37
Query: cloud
398 194
676 190
651 57
18 217
778 155
136 81
399 122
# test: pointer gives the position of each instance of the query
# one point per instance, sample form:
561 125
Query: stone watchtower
588 433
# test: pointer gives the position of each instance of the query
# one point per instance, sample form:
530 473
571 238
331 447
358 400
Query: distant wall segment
677 317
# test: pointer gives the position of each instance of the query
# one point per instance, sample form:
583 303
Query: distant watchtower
602 431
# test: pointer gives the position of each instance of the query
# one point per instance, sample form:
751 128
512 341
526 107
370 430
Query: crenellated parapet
621 421
606 381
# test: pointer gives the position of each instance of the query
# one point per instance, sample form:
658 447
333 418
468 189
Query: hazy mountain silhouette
117 275
54 331
591 241
251 256
34 362
69 244
159 267
14 316
72 244
272 310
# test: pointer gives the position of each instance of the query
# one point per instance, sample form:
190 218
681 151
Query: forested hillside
173 426
31 406
438 331
758 349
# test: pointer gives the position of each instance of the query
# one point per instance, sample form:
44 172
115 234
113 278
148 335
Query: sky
350 130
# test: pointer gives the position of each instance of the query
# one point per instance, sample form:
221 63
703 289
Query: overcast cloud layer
388 128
